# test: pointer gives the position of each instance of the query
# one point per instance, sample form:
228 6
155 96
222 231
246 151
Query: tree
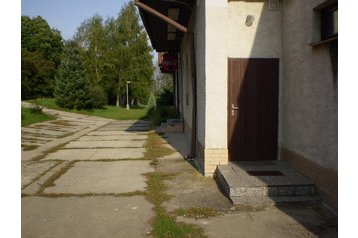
90 36
41 49
72 85
137 66
117 51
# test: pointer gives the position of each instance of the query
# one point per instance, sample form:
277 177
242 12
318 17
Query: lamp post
128 82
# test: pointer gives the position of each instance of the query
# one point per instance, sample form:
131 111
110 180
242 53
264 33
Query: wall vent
274 5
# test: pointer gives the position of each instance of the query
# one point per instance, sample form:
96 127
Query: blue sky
67 15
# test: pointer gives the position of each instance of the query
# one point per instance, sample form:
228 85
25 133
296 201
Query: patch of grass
165 225
28 117
250 208
112 112
197 212
51 150
50 181
156 188
43 173
29 147
155 149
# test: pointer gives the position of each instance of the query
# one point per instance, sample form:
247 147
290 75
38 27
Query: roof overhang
164 36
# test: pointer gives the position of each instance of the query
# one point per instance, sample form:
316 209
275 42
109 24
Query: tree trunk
117 101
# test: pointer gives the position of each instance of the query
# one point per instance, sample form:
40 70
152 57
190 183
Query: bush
36 109
166 98
98 97
152 103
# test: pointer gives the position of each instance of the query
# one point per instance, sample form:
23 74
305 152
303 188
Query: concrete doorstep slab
97 154
102 177
86 217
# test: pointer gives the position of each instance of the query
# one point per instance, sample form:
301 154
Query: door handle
232 109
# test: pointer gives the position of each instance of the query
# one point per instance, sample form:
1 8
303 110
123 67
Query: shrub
98 97
152 103
36 109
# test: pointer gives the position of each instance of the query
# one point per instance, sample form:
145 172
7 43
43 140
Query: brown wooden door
253 108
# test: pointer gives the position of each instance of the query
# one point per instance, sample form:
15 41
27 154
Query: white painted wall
216 18
260 40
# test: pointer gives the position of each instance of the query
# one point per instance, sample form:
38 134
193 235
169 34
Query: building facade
256 80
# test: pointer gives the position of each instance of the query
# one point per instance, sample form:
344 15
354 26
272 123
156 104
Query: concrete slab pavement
32 170
66 197
106 144
113 137
102 177
97 154
85 217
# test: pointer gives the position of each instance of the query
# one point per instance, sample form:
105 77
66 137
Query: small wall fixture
249 20
274 5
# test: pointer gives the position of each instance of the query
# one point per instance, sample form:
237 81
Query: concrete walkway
83 176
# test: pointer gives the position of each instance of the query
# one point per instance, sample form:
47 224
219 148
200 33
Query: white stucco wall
309 90
216 18
260 40
228 36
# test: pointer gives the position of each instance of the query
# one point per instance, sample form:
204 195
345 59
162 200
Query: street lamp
128 82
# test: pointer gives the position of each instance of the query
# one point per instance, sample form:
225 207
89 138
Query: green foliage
116 51
72 85
161 114
165 98
36 109
152 103
98 97
41 49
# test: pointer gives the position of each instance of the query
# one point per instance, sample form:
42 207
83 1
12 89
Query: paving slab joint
43 150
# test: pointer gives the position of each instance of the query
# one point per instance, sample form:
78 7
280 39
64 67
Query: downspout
193 67
194 109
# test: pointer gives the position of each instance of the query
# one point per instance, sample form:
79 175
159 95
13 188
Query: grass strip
155 149
50 181
164 224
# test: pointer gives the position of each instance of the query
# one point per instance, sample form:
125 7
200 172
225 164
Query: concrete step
251 182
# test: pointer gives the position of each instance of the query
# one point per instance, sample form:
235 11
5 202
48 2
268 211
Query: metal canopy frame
154 14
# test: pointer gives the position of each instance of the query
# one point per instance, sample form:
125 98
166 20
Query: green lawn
28 117
118 113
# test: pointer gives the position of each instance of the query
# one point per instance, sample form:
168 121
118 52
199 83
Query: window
325 23
329 22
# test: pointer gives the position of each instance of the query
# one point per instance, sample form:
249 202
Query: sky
67 15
